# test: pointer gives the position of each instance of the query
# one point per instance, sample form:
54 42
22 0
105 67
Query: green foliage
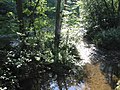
51 10
101 19
109 39
34 14
71 13
44 22
8 20
34 53
100 14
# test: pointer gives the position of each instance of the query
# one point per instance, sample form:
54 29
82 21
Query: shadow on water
37 76
109 64
108 59
45 77
67 84
53 79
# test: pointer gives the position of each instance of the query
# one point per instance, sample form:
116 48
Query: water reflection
85 49
52 80
109 64
76 86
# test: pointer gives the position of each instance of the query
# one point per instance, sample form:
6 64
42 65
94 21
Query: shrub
108 39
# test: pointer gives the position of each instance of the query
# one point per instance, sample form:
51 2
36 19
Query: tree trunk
118 6
57 30
31 23
20 15
65 1
119 13
59 83
113 8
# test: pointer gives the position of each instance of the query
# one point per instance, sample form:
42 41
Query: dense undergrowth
107 39
101 19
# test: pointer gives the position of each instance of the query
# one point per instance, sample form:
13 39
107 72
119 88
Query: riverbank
95 78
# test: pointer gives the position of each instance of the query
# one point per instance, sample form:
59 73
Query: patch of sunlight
5 88
84 49
84 52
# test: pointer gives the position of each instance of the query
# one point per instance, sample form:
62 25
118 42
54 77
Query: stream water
77 86
108 60
87 52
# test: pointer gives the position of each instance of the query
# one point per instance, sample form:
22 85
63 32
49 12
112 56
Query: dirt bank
95 78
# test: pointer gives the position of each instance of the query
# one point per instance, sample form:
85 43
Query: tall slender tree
118 12
57 30
20 15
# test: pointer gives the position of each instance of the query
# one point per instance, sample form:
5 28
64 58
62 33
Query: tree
20 15
57 30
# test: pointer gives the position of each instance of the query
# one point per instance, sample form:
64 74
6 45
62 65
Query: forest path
95 78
